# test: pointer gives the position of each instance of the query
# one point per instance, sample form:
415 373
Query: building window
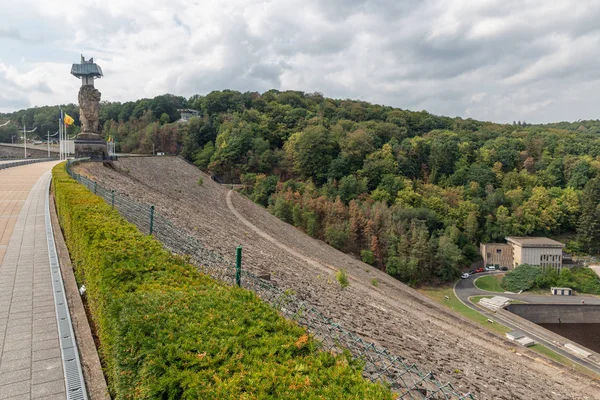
498 251
489 255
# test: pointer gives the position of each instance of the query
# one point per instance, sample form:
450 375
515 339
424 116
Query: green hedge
169 332
521 278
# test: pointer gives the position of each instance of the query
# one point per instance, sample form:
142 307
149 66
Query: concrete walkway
30 356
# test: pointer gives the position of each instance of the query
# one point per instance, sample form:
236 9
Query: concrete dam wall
557 313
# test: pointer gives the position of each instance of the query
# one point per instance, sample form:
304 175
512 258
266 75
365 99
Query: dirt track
391 315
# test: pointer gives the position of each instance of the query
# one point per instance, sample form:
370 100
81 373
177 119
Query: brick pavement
30 358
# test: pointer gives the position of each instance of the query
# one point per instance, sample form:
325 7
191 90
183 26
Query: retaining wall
557 313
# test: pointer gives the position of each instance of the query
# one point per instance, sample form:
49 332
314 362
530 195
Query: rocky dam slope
391 315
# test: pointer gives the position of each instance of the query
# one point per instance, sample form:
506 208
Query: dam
577 322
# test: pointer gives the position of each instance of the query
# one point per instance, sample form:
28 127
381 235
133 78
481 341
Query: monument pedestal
92 146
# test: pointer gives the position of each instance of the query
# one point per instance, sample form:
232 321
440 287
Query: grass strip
445 296
168 332
491 283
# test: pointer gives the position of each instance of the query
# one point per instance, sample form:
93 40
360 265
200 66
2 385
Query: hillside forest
408 192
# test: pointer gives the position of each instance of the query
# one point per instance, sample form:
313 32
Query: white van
490 268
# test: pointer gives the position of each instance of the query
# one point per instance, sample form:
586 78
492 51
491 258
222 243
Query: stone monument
88 142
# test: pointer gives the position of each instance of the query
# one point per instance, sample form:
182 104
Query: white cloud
499 60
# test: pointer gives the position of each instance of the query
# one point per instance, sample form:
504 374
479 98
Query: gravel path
391 315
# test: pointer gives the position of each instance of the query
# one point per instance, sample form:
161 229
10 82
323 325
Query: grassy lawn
439 294
491 283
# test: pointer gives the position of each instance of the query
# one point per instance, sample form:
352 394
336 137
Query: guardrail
24 162
380 365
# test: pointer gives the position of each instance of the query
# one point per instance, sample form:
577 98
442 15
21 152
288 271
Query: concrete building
187 114
523 250
560 291
498 254
536 251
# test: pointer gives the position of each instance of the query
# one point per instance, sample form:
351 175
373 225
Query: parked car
479 270
471 272
503 268
465 275
490 268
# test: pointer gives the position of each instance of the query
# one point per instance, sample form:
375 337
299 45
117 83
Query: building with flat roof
497 254
540 251
187 114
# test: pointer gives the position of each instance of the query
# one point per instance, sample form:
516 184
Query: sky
493 60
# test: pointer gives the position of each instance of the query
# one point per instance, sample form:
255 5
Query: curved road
465 288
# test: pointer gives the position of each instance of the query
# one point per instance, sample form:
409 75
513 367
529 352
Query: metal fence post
95 185
238 266
151 219
112 201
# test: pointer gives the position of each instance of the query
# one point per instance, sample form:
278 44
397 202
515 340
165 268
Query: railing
4 165
403 377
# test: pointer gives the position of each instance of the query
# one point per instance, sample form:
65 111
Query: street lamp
48 142
25 138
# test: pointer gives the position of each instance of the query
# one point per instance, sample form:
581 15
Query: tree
164 118
311 151
588 227
379 164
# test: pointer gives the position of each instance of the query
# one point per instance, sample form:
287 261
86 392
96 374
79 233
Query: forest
406 191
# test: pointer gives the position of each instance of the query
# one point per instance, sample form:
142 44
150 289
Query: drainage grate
68 347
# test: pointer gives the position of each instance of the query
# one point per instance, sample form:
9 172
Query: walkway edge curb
74 383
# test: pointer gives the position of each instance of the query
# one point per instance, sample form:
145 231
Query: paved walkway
30 357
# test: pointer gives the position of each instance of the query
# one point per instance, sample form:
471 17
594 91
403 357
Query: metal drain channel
74 382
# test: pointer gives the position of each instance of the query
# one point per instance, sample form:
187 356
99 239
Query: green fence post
238 266
95 185
151 218
112 200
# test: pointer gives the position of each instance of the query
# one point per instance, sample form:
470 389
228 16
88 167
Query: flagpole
66 144
59 136
62 136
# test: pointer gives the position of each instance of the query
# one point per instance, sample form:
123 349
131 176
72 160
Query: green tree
311 151
588 228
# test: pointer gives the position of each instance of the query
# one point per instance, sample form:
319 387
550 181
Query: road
465 288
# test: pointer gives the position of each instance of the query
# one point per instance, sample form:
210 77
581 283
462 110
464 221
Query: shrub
368 257
521 278
200 181
336 235
583 280
168 332
342 278
374 282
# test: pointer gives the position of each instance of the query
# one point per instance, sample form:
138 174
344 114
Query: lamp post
25 138
48 142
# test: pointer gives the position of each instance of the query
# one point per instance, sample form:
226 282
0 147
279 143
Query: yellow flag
69 120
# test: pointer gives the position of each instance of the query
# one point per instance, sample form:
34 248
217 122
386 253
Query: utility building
523 250
536 251
497 254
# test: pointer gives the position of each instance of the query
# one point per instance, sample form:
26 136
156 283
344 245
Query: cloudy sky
498 60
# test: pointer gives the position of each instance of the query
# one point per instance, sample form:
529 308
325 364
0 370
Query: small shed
561 291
